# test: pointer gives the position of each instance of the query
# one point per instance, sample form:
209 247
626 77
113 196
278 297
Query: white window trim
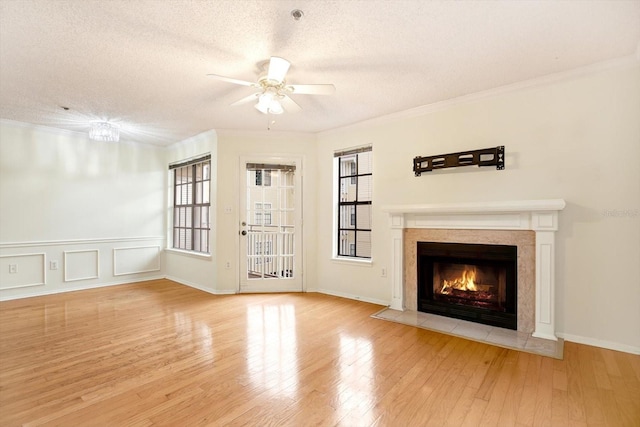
361 262
171 209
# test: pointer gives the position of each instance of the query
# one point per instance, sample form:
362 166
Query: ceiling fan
273 92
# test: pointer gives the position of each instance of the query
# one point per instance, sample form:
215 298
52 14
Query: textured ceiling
143 63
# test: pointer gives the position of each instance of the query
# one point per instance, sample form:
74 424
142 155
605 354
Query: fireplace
528 224
475 282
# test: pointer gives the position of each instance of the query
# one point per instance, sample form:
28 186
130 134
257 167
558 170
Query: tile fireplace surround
528 224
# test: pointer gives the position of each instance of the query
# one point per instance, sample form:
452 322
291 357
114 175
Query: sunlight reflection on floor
272 362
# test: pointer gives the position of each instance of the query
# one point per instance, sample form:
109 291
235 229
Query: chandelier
104 131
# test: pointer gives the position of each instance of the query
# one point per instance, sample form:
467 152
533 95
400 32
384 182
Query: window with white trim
191 204
355 191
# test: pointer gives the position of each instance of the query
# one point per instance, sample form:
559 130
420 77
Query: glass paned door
270 228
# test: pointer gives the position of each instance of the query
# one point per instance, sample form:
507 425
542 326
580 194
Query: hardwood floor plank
510 408
157 352
527 408
494 409
593 406
461 408
544 393
417 407
489 381
575 395
559 380
610 408
559 408
474 415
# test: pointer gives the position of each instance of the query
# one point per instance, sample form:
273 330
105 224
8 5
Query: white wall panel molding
81 265
7 245
22 270
67 265
134 260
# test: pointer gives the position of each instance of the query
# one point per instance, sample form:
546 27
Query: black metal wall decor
484 157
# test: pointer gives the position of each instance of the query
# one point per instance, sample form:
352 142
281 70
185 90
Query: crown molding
617 63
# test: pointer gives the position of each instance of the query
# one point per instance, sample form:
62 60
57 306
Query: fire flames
464 283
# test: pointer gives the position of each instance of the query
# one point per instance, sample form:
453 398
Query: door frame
298 160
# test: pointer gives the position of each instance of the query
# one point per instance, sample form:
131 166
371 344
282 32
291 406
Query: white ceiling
143 63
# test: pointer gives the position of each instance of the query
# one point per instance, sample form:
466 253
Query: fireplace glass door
468 281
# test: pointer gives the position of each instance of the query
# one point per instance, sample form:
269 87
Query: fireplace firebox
469 281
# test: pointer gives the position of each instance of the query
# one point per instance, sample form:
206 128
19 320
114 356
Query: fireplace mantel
540 216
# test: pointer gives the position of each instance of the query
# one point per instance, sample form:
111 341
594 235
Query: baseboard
350 296
80 288
198 287
600 343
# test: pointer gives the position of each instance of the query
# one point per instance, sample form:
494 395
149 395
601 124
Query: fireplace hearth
475 282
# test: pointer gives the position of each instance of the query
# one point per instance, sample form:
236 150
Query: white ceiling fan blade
322 89
231 80
246 100
290 105
278 68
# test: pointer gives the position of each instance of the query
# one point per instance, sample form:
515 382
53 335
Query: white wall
91 206
577 139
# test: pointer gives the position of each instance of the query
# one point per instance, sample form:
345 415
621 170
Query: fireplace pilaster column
396 272
545 225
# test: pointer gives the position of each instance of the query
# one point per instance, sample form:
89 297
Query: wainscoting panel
81 265
141 259
33 268
22 270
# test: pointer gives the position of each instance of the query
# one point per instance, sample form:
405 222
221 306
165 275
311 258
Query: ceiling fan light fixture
273 90
104 131
264 101
269 104
278 68
275 107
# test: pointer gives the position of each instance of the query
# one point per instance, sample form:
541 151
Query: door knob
243 232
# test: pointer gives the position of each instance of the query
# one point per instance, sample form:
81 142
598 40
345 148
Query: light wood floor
158 353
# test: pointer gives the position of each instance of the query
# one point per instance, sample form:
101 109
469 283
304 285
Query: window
191 188
260 214
355 183
267 178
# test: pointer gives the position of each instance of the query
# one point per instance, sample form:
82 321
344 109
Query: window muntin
191 205
355 181
262 213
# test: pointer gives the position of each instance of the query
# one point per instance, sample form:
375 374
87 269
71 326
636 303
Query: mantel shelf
510 206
